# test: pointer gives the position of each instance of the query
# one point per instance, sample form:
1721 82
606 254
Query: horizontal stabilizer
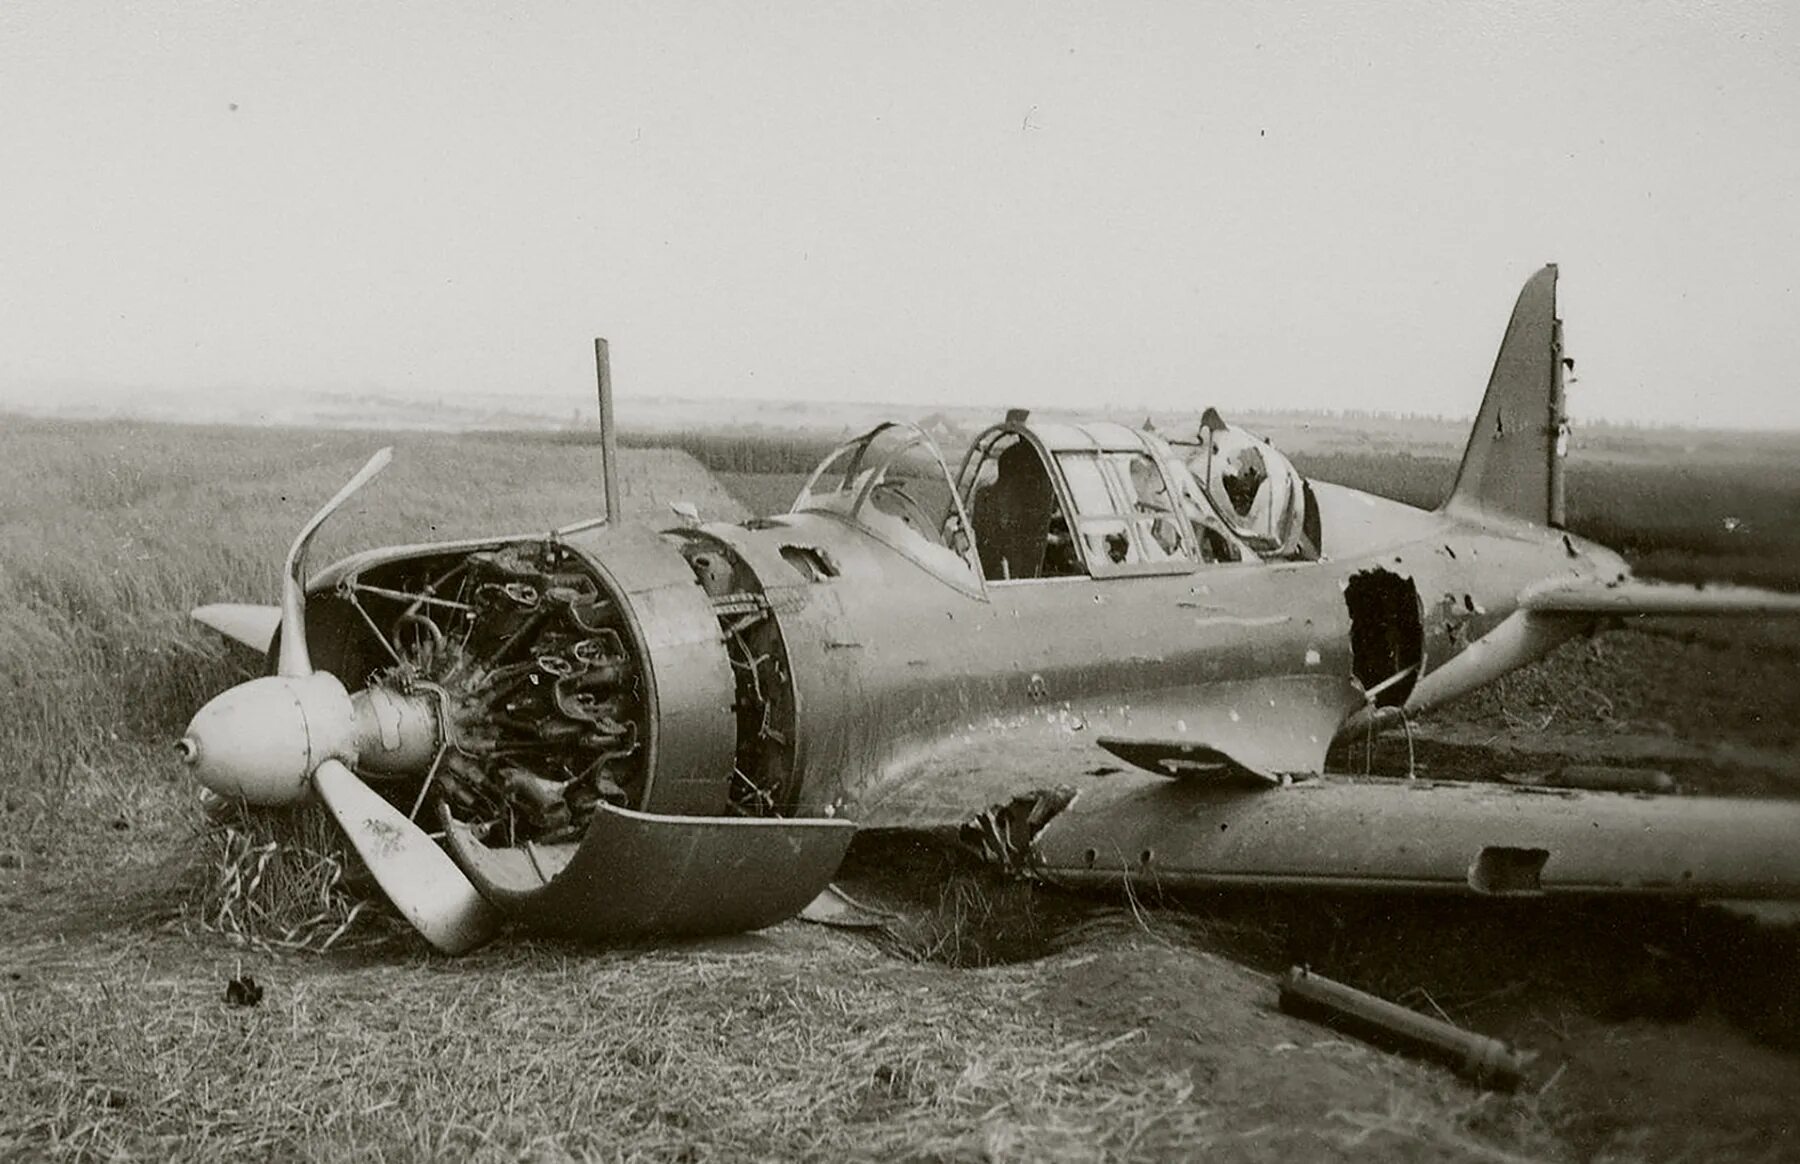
1634 596
253 626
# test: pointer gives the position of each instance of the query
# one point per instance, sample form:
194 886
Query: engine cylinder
524 682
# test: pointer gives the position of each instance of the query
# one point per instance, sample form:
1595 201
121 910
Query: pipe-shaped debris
1487 1062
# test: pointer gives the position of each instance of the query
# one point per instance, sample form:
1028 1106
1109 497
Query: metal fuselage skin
893 666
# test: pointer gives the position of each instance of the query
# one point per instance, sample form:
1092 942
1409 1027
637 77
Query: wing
253 626
1424 835
1065 812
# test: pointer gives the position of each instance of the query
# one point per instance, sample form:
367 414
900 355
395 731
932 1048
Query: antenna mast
609 439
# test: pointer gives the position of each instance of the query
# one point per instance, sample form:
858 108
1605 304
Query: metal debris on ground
1484 1061
243 991
834 907
1596 778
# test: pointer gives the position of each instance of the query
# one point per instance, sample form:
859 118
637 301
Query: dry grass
283 879
797 1045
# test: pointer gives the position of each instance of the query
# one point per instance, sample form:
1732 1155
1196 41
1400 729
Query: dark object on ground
1487 1062
834 907
1598 778
243 992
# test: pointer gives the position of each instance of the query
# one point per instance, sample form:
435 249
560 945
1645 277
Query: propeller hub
260 741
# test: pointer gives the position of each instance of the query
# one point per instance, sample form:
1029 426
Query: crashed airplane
614 731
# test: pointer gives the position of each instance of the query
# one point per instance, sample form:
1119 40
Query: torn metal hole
1004 835
1504 870
1387 634
810 562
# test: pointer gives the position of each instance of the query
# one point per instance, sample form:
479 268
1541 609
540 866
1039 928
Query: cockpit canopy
1064 500
893 483
1252 486
1050 500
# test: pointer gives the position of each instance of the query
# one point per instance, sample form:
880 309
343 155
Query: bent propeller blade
251 625
418 877
294 659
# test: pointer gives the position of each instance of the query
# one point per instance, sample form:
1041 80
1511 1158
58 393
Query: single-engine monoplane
616 731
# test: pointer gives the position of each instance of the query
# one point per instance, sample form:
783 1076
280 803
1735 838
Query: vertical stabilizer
1513 466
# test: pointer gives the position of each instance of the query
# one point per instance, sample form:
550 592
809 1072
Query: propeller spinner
270 740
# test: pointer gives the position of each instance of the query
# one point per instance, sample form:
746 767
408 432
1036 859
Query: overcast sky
1330 206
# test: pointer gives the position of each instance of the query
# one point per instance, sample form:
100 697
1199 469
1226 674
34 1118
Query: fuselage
892 663
805 664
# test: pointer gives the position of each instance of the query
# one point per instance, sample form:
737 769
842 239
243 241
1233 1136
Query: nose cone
261 740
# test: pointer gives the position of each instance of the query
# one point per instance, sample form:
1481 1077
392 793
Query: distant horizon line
554 403
589 418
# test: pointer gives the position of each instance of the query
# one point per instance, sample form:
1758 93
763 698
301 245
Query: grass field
1108 1030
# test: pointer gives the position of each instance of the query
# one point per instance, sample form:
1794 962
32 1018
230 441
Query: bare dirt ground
992 1020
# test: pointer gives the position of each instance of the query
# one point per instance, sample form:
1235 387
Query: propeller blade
420 878
294 659
253 626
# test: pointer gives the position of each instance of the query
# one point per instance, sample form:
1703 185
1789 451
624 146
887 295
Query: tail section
1513 466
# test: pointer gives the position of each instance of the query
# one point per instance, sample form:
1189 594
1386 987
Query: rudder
1512 467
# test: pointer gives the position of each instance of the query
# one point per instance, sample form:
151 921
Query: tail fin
1513 465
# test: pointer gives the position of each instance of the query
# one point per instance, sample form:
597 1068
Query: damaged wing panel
1423 835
